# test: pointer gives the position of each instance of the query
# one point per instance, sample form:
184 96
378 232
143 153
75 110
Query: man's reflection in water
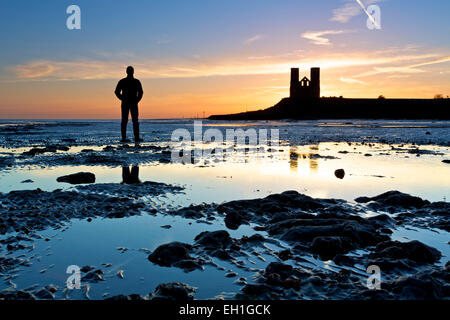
130 177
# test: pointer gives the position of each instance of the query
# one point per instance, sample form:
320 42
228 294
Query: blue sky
246 41
37 28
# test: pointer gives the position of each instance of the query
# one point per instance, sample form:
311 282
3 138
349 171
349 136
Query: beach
302 218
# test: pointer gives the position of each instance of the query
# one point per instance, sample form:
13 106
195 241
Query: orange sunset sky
212 57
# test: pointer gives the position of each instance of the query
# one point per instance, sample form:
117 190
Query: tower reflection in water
311 154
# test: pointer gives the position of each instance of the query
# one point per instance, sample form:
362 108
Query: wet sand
253 228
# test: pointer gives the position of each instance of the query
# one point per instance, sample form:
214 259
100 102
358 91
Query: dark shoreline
343 108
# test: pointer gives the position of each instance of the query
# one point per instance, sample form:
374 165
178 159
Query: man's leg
125 112
135 118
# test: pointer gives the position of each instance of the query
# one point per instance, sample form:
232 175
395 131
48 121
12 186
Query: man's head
130 71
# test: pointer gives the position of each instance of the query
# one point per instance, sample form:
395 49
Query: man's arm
140 92
118 91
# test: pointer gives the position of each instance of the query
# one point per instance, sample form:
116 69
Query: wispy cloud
408 69
48 70
318 37
34 70
351 81
253 39
350 9
438 60
289 55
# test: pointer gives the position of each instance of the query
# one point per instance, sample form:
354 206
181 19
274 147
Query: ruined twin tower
305 88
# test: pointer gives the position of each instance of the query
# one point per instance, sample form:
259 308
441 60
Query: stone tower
305 88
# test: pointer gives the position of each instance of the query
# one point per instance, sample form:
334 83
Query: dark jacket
129 91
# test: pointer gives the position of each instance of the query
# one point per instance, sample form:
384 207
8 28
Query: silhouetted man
129 91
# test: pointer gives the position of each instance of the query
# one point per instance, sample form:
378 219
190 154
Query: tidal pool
370 169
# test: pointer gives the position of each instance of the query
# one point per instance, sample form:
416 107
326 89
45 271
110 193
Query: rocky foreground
324 229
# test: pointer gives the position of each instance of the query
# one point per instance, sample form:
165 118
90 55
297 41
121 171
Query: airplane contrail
368 14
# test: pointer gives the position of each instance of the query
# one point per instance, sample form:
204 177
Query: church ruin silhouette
305 103
305 88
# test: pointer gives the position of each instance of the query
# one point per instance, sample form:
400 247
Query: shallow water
371 169
294 168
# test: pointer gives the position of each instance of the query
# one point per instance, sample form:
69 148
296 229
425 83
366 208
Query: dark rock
442 213
443 225
191 212
130 297
328 247
51 288
315 280
168 254
175 291
360 234
108 148
16 295
283 226
44 294
374 295
296 200
233 220
381 220
272 205
281 217
446 161
7 264
284 270
292 282
273 279
341 259
390 265
255 290
32 152
396 199
414 251
285 254
25 230
78 178
49 149
259 228
340 173
231 274
221 254
424 286
93 276
214 239
254 239
188 265
86 269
